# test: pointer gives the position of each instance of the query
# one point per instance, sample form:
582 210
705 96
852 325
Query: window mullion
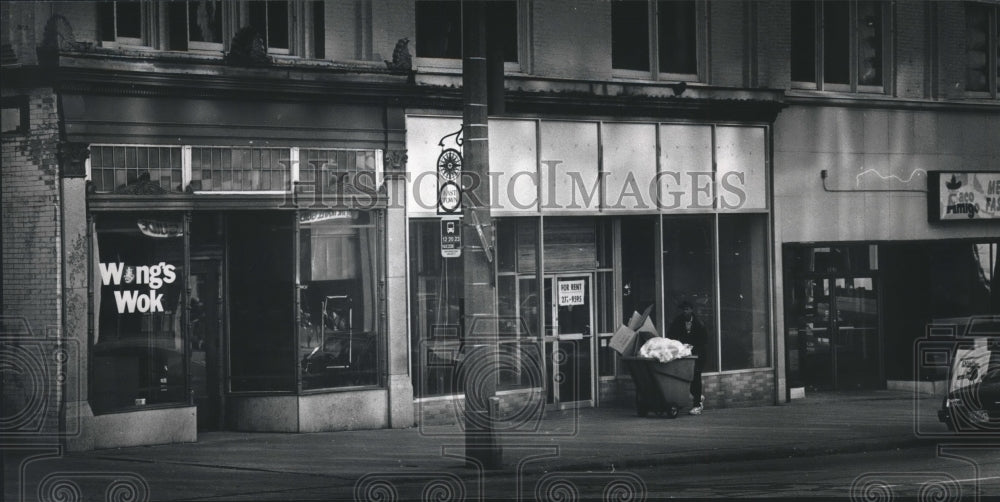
653 39
819 36
994 51
854 46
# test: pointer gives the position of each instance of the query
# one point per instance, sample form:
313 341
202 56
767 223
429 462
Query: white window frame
293 32
226 14
993 47
819 40
455 65
654 73
148 15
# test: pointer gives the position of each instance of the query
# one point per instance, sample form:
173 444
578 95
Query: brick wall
721 390
727 39
950 18
572 39
31 261
911 52
31 222
774 44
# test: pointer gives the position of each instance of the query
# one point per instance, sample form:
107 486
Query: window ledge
279 61
830 98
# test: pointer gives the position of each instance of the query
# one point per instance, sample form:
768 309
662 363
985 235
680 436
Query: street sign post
451 237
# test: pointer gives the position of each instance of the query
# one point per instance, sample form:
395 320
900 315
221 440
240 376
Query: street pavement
235 465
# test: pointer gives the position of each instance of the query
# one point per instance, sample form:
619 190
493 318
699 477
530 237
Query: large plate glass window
689 275
338 328
139 294
436 293
743 292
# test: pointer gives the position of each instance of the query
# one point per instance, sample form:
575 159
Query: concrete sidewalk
223 464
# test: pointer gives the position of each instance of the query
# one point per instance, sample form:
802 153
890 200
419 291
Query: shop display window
139 292
338 342
743 290
435 312
689 275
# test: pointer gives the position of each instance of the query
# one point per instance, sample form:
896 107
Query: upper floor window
982 46
294 28
125 23
439 31
839 45
671 50
197 25
273 22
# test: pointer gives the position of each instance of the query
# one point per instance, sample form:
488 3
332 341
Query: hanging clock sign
449 169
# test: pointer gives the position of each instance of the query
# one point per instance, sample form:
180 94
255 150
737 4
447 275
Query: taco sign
141 285
963 196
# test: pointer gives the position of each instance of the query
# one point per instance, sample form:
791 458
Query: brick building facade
780 153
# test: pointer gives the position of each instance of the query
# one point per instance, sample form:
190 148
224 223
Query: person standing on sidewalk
686 328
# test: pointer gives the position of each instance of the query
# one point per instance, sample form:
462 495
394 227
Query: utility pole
482 447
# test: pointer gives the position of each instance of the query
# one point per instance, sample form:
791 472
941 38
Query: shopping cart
661 388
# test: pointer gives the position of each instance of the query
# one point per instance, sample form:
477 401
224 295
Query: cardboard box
623 341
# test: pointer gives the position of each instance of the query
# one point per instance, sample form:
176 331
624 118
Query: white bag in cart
664 349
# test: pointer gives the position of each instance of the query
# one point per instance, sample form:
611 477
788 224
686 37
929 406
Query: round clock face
449 164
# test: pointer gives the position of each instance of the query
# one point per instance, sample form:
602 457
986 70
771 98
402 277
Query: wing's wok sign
152 277
963 196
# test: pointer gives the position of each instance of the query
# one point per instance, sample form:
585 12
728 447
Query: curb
718 456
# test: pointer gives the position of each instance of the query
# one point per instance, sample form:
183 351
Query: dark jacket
697 338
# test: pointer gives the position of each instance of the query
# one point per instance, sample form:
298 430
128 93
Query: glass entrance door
569 317
837 332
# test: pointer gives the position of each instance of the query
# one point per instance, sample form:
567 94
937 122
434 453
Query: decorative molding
401 58
58 36
395 160
73 159
247 49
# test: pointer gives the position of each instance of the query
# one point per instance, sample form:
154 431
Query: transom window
650 38
839 45
982 71
226 169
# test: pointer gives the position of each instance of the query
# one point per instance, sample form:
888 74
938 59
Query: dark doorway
832 324
207 320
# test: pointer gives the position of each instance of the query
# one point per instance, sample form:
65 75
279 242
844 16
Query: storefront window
139 284
260 278
436 291
638 263
517 302
743 279
338 342
688 275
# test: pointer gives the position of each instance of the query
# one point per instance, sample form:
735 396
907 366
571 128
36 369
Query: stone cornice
365 84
